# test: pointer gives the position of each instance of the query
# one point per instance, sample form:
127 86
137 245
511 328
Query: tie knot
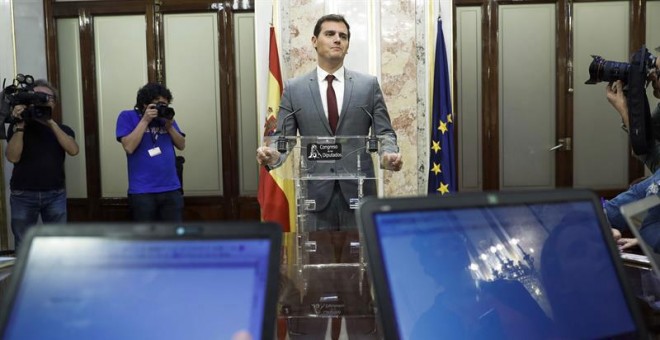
329 78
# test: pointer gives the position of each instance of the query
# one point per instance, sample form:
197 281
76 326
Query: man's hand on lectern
267 155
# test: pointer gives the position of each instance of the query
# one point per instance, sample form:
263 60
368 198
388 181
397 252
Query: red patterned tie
333 113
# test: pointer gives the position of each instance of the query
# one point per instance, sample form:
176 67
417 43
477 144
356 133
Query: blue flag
442 169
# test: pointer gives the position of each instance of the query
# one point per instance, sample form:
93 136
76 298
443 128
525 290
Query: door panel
527 96
600 147
246 84
72 104
121 69
192 72
468 107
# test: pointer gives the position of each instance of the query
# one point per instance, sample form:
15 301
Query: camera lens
609 71
165 111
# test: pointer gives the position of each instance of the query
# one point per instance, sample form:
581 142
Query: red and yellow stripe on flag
276 193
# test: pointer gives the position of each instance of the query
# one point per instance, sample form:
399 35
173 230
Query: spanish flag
276 193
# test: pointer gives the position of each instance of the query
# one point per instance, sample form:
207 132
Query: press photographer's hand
615 95
655 81
150 113
17 115
168 124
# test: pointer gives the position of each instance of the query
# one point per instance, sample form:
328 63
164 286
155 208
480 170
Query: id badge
154 152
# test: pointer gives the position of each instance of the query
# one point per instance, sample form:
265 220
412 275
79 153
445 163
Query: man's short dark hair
331 17
147 93
47 84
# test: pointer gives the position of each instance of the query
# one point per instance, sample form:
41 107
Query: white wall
264 16
6 71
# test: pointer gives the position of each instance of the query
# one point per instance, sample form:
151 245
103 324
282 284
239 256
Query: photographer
617 98
648 186
37 147
149 134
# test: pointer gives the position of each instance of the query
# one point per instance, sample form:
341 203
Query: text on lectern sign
323 152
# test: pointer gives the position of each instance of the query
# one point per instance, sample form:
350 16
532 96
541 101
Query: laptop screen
497 270
640 215
99 287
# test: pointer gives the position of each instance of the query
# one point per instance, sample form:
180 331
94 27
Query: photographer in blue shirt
149 135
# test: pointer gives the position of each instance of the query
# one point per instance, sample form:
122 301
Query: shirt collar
339 74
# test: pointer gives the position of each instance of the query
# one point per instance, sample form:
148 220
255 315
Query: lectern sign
323 152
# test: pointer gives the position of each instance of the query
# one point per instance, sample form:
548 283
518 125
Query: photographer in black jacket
651 159
37 146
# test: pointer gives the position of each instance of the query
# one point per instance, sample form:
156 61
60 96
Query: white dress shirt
337 85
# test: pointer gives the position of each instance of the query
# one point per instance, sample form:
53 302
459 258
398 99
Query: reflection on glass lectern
324 267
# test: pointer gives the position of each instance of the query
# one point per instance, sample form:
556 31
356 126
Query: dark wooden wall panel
227 206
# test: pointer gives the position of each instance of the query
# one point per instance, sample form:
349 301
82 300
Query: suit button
332 169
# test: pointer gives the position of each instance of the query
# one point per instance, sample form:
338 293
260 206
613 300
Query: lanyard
153 133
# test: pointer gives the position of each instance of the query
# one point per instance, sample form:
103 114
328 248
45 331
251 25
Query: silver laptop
641 214
145 281
521 265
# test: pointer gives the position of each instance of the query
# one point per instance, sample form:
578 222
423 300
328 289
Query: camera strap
639 113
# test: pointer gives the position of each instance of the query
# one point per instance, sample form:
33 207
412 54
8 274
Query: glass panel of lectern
323 267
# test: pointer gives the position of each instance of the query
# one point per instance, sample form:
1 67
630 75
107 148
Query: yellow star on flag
436 168
443 127
444 188
436 146
449 119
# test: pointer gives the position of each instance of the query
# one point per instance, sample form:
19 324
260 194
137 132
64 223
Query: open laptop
639 214
509 265
645 213
145 281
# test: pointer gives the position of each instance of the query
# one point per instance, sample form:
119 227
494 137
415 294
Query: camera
636 76
21 92
164 111
601 70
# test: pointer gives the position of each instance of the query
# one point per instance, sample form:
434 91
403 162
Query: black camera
42 113
164 111
601 70
21 92
636 76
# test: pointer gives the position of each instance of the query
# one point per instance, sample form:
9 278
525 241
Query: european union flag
442 170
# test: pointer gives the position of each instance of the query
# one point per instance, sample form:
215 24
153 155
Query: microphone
281 140
372 144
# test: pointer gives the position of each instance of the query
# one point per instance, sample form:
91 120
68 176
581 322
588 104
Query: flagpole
430 30
274 16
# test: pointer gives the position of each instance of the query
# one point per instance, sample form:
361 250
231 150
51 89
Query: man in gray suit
333 101
306 107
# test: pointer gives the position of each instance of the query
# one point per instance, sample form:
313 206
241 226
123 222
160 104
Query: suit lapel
348 92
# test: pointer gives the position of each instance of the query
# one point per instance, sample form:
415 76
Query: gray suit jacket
302 96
